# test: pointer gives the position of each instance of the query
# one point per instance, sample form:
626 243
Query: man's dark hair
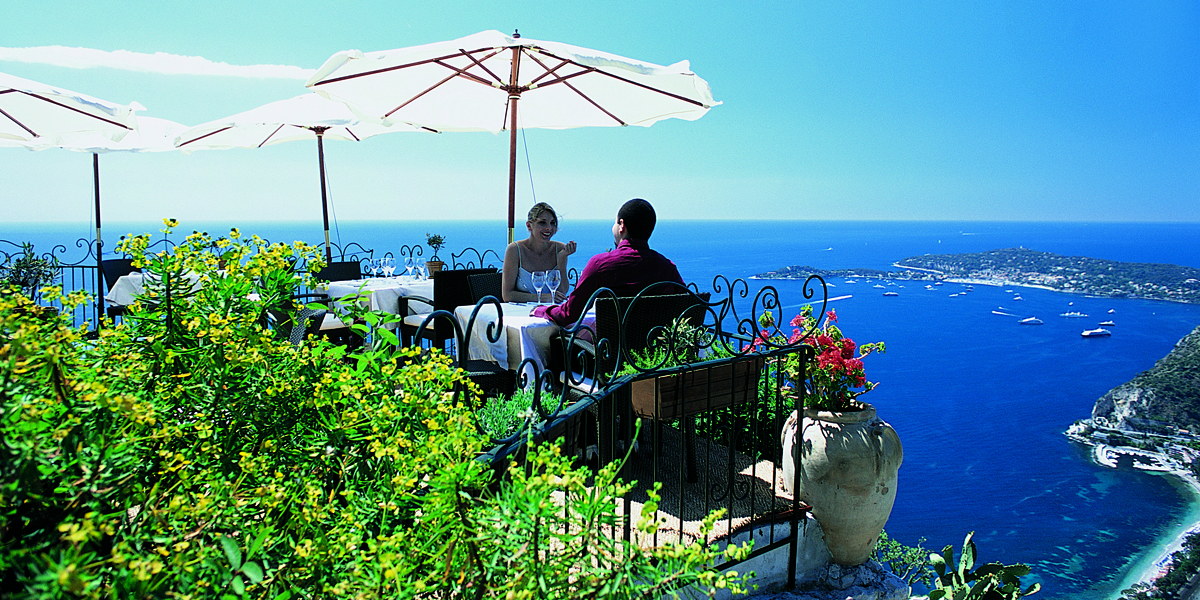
639 218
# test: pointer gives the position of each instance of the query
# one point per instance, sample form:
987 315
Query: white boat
937 283
879 285
848 281
1017 298
1073 315
1097 332
891 293
1107 323
953 295
1031 321
1112 310
928 287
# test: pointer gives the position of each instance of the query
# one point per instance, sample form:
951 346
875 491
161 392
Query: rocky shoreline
1150 423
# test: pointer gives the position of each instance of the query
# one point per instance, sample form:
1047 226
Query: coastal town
1032 268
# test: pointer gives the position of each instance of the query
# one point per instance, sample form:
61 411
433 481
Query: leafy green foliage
28 272
965 581
188 453
503 416
434 241
910 563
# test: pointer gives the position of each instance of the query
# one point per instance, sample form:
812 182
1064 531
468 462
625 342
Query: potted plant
29 273
849 457
435 242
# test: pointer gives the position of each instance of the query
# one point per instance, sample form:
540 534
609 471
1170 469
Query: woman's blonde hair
540 208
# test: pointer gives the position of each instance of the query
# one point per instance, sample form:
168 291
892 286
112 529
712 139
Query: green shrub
189 453
965 581
502 416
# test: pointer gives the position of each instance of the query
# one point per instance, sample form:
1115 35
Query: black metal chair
451 289
114 269
486 284
340 271
296 321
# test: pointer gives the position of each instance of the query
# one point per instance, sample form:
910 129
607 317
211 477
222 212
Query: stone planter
697 390
849 463
433 266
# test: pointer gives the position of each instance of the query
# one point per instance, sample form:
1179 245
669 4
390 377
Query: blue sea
979 401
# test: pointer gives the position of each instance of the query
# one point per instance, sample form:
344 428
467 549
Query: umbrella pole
514 94
320 131
99 244
512 170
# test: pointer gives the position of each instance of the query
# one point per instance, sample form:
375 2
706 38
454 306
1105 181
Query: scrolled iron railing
738 458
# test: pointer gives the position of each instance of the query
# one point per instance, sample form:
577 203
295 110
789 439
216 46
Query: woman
536 253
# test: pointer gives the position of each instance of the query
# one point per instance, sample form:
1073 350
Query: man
626 269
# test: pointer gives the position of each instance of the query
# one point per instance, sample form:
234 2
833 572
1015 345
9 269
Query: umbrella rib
455 72
264 142
587 69
548 70
405 66
72 108
19 124
205 135
593 103
563 80
471 57
414 98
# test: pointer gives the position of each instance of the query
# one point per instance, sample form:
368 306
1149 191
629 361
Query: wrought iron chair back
451 289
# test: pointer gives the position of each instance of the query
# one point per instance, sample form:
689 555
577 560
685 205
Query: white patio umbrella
304 117
150 135
44 114
476 83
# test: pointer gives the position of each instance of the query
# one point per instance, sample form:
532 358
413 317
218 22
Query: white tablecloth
128 287
523 336
384 293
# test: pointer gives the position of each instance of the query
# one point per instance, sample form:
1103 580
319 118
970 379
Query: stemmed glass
389 266
408 265
373 264
553 280
419 265
539 282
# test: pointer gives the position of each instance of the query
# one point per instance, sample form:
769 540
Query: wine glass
389 266
408 265
539 282
553 281
419 265
373 264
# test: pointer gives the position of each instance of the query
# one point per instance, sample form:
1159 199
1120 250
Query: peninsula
1031 268
1152 423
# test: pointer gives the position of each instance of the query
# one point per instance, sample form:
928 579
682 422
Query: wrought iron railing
735 400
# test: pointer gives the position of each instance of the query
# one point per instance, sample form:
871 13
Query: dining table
386 294
523 336
127 288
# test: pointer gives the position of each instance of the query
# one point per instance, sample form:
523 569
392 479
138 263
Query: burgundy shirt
626 270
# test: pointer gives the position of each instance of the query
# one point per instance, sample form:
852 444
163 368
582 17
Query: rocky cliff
1162 399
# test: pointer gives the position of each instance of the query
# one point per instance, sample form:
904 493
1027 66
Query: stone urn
849 462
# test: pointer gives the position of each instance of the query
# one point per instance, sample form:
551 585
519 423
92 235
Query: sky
940 110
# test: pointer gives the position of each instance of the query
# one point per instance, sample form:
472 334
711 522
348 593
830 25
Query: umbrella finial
516 34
